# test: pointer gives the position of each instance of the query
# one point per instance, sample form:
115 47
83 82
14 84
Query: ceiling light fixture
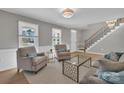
68 12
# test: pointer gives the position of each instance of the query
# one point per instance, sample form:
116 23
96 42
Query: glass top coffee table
70 68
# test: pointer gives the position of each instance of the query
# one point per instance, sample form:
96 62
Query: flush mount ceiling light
68 12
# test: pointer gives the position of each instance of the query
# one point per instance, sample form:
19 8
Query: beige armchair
28 59
62 53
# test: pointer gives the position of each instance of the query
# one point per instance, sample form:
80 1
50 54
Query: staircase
102 33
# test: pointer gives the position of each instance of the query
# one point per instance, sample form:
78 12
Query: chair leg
35 72
18 70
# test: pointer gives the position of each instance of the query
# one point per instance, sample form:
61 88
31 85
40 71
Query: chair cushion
113 77
37 60
28 51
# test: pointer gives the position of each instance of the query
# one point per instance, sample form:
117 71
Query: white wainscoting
7 59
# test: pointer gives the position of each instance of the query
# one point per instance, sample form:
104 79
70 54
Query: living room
82 44
58 45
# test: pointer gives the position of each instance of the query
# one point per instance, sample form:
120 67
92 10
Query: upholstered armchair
62 53
28 59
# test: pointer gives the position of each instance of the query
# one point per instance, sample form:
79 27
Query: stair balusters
103 31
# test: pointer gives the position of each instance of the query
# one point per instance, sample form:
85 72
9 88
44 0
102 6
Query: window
28 34
111 23
73 40
56 36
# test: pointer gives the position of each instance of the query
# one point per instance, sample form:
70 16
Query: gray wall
66 36
9 30
114 42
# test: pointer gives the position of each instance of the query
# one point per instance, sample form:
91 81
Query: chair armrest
41 54
105 59
111 66
24 63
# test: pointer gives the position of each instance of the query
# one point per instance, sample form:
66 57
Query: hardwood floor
13 77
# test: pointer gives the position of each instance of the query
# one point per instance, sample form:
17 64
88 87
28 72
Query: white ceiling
81 18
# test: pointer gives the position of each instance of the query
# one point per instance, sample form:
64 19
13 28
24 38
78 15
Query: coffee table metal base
72 70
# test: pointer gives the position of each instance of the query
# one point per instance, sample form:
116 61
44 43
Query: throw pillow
121 58
112 56
113 77
119 54
107 56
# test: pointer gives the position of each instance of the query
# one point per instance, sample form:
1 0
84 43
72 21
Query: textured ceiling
81 18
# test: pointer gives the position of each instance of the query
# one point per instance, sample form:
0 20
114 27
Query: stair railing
95 36
101 32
